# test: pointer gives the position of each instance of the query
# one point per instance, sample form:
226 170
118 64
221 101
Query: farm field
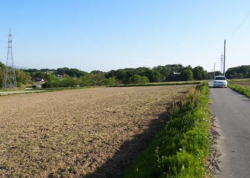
95 132
243 82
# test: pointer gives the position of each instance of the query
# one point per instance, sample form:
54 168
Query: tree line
72 77
239 72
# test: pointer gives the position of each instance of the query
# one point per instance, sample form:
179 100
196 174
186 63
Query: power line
248 14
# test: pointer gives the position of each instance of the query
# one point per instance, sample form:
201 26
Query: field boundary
240 89
32 91
157 84
182 147
42 90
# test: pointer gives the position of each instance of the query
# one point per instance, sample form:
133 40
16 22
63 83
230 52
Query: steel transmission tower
10 75
222 63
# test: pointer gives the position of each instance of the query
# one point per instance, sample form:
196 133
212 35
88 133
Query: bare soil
77 133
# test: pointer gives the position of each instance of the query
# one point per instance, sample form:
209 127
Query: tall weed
241 89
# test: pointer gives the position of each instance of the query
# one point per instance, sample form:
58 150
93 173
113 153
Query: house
177 73
39 80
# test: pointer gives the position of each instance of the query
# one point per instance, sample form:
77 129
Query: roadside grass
239 80
241 89
182 147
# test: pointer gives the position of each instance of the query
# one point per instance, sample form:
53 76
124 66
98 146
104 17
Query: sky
115 34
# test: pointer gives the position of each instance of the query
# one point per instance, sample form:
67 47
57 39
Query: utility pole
222 64
224 72
214 69
10 75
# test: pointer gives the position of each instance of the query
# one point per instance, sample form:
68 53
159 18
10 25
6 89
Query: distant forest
71 77
239 72
66 77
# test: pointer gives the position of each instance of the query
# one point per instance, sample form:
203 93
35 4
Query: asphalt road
232 112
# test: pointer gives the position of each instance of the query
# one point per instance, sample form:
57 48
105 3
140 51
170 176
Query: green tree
240 75
40 74
85 80
1 79
98 79
22 77
125 81
68 82
217 73
238 72
142 71
144 79
112 81
187 75
163 70
244 69
121 74
111 73
198 73
96 72
51 81
135 79
205 75
1 65
155 76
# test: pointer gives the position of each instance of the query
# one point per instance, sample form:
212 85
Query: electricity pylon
9 81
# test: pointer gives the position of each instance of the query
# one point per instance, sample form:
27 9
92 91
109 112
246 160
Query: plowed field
95 132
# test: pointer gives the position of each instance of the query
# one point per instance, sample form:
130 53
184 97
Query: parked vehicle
220 81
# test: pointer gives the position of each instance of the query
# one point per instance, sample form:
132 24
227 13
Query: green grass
239 80
182 146
159 84
241 89
42 90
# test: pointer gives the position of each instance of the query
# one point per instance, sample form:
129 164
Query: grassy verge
41 90
239 80
120 85
241 89
182 146
158 84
